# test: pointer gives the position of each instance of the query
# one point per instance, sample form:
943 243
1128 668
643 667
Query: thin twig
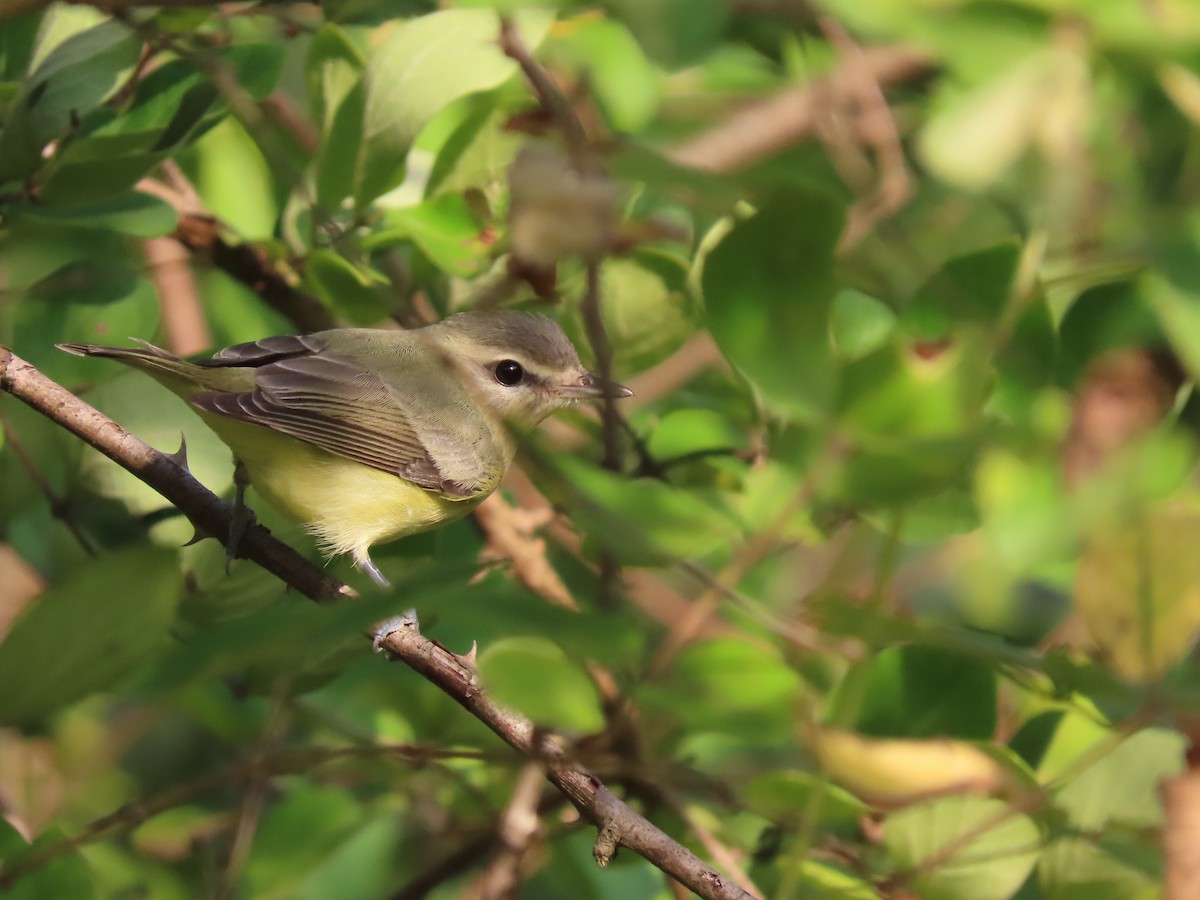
511 536
555 104
60 508
253 799
876 128
713 846
450 866
516 831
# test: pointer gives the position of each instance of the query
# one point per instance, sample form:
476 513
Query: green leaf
98 312
1117 796
286 846
443 228
829 883
350 291
675 32
978 137
917 391
92 281
990 865
1120 785
472 148
1137 591
1113 867
644 521
67 875
860 324
74 78
335 74
689 431
768 289
921 691
535 676
732 687
360 867
105 620
1026 364
647 308
234 179
1172 290
624 83
790 797
425 64
173 105
132 213
971 288
61 22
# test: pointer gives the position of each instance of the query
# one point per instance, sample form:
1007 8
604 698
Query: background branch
764 128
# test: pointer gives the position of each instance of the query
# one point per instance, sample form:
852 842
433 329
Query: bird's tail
146 355
163 366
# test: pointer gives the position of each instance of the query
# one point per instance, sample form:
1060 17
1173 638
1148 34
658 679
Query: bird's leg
364 562
243 515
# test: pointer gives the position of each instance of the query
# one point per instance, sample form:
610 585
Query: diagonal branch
618 824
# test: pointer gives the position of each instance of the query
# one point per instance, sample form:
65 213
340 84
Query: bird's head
521 367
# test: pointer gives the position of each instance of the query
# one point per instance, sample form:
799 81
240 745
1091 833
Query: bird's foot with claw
406 621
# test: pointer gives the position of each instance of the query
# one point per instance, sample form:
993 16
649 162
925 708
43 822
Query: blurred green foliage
913 452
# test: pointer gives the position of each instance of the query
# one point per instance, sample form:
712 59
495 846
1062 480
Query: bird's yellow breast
346 505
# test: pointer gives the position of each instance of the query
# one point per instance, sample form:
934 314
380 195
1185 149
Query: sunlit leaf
692 431
425 64
896 772
347 289
647 308
625 84
443 228
768 290
996 848
334 70
535 676
1138 591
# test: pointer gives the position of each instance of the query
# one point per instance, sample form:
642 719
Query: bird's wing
336 402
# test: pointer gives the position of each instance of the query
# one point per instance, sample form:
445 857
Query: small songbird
366 435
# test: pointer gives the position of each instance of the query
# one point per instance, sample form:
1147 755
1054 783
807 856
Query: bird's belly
346 505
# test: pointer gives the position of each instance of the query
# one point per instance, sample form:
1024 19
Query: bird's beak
590 387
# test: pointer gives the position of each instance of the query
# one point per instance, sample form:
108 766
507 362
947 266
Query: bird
366 435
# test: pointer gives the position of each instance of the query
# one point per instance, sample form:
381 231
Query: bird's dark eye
509 372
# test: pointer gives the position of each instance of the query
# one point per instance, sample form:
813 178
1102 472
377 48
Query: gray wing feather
334 402
265 351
